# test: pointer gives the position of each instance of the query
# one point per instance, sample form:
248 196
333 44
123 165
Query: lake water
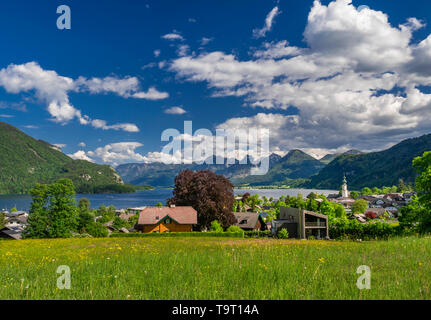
145 198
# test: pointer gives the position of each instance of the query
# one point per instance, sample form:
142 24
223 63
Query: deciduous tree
211 195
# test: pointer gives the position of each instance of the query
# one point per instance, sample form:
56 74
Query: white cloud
357 83
101 124
157 53
52 89
117 153
259 33
173 36
80 155
183 50
151 94
205 41
6 116
82 144
175 110
277 50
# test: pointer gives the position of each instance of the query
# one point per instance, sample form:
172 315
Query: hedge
258 234
179 234
353 229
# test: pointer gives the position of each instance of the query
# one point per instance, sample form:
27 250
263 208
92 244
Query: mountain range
25 161
298 169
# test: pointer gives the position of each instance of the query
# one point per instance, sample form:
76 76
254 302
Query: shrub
353 229
283 234
180 234
258 234
216 227
235 229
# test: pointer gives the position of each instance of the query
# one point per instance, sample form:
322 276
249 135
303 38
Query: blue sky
319 82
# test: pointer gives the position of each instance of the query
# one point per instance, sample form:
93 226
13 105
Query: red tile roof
182 215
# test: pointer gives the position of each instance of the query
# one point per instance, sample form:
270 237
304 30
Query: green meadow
214 268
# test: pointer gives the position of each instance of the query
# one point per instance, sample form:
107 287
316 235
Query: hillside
377 169
25 161
332 156
296 165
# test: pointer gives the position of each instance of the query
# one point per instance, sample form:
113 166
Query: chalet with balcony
167 219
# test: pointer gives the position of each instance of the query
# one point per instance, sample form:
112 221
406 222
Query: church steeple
344 191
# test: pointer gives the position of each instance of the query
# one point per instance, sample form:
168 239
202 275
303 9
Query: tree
327 208
312 205
420 208
211 195
401 186
254 201
53 212
84 204
359 206
339 210
354 194
366 191
159 204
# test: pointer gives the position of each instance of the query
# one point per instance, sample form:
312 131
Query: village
252 213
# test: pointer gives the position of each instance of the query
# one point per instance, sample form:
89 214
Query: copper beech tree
211 195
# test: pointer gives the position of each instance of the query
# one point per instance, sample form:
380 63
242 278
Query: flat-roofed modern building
301 224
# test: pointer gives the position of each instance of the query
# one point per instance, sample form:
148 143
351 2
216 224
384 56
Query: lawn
214 268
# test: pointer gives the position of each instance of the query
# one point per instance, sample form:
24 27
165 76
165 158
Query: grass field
214 268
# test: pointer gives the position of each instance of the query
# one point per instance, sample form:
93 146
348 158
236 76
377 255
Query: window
243 221
168 221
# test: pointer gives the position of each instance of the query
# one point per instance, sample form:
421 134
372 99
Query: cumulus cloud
80 155
259 33
175 110
277 50
117 153
53 90
358 82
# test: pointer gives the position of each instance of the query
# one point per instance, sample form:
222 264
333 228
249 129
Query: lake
145 198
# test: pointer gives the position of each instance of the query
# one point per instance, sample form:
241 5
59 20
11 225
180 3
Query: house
136 210
11 233
126 216
345 202
18 222
250 221
373 213
167 219
301 223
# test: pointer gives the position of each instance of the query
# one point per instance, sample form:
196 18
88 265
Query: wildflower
322 260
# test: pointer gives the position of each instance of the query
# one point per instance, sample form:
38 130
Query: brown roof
246 220
127 216
181 215
378 211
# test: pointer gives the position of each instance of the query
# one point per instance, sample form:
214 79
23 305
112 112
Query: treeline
111 188
54 213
